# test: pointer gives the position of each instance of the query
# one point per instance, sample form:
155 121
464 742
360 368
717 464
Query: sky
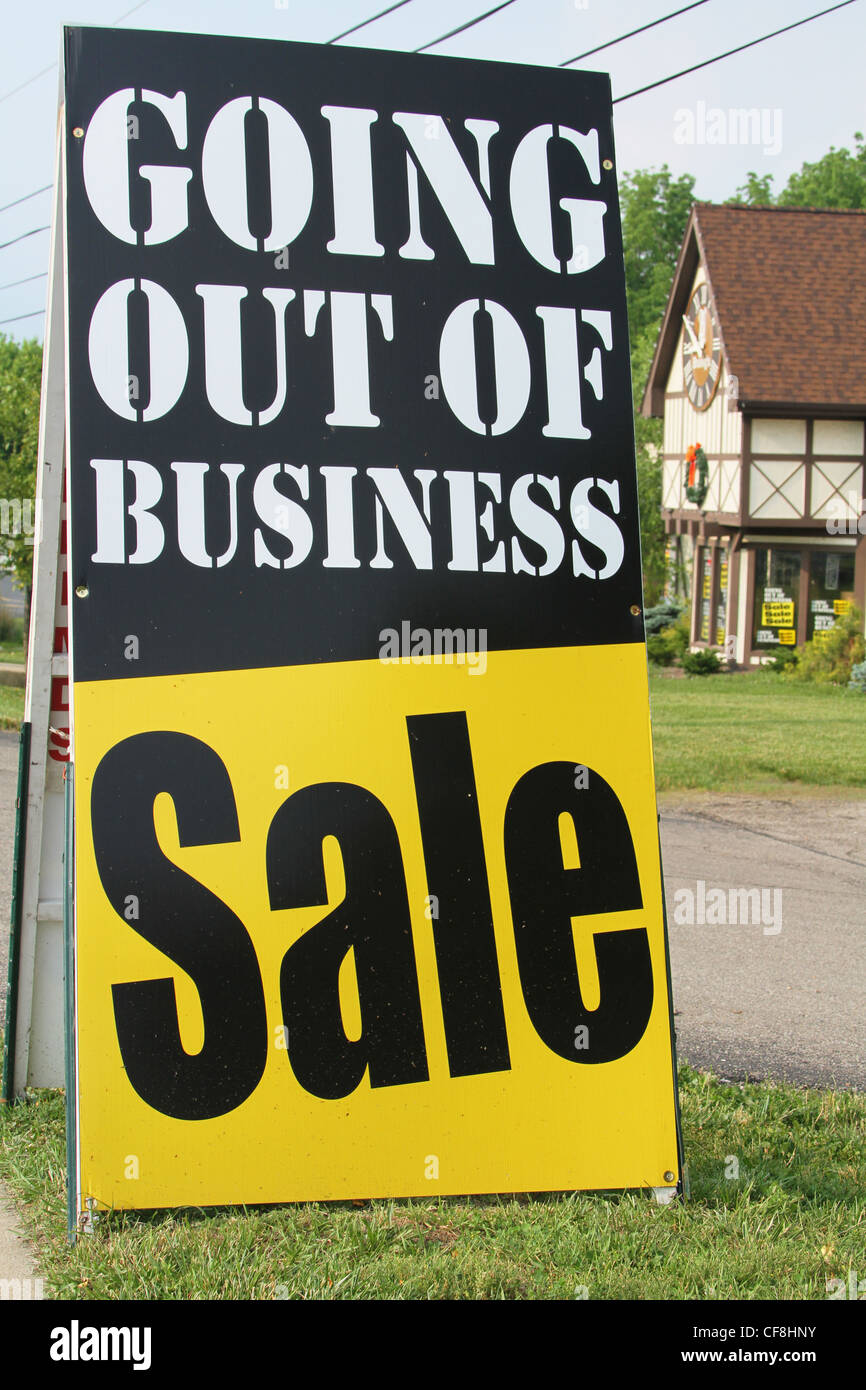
807 85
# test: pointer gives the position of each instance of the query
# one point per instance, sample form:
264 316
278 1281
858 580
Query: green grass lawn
12 651
11 706
793 1218
756 731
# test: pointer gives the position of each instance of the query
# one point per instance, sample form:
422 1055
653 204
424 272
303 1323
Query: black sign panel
348 343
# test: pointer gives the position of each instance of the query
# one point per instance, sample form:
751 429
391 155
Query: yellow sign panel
359 1069
788 636
841 607
777 614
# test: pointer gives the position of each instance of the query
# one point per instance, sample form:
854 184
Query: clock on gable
702 349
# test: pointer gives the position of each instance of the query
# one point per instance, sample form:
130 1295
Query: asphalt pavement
783 996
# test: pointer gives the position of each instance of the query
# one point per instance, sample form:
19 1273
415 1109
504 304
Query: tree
649 495
838 180
755 192
20 381
655 211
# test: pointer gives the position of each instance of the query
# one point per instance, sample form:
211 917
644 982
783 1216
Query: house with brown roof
761 360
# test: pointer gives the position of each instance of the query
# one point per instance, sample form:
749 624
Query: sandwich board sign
366 873
33 1050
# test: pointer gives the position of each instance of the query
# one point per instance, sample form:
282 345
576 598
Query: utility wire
461 27
25 281
52 66
19 317
23 236
364 22
469 25
739 49
120 18
44 189
22 85
631 33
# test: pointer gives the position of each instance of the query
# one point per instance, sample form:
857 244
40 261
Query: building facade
761 361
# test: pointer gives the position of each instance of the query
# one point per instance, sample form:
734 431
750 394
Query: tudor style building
762 360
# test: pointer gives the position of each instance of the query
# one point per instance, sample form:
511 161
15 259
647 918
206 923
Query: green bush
678 634
659 650
701 663
662 615
669 645
785 660
858 677
831 656
11 627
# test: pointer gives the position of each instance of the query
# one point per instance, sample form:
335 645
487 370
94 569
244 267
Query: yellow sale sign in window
777 614
367 881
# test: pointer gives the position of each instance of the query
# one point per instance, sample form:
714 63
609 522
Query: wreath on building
697 472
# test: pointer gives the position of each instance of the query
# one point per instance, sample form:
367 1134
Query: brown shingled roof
789 286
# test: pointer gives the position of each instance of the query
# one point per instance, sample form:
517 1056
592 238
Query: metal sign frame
34 1044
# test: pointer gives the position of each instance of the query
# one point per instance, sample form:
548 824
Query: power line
22 85
52 66
631 33
364 22
739 49
44 189
26 281
469 25
461 27
23 236
120 18
19 317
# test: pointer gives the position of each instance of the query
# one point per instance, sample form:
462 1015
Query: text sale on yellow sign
527 1115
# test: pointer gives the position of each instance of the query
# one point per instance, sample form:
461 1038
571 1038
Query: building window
706 607
784 577
722 600
831 589
711 596
777 591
